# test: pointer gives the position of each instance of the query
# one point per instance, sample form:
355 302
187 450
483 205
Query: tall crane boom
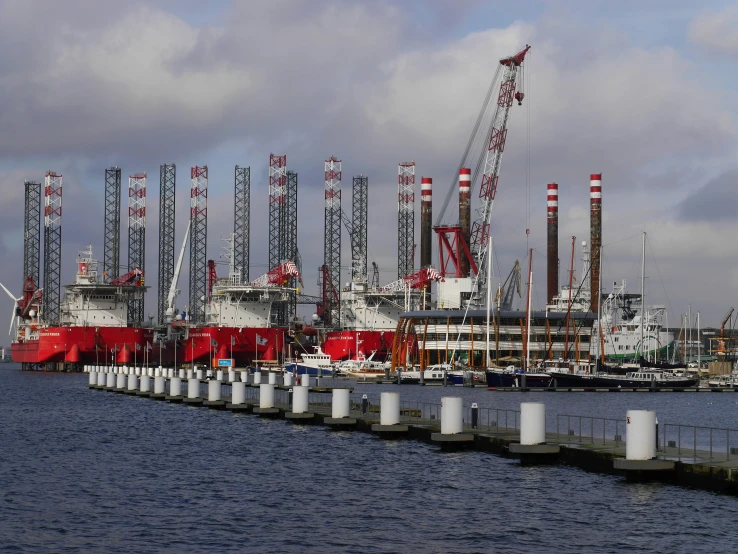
175 278
495 147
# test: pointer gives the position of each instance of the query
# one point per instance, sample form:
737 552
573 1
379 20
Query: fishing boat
642 379
317 363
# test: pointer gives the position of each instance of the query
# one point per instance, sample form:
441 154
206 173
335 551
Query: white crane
173 290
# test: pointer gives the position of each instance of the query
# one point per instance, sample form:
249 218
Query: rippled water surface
84 470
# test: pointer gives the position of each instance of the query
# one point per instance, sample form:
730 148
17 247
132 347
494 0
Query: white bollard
110 380
245 376
101 379
193 388
272 378
120 383
238 393
181 373
305 380
170 372
219 375
257 377
532 423
341 404
138 371
150 371
389 408
266 396
175 386
300 400
287 379
159 387
209 373
93 378
214 390
190 373
132 381
452 415
231 376
640 435
198 373
145 385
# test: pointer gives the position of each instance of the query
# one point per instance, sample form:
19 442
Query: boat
719 381
512 377
642 379
432 373
316 363
93 326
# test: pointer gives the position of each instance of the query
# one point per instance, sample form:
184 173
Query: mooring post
475 415
364 404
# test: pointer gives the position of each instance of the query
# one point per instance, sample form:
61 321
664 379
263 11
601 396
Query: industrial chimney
465 215
426 221
552 201
595 235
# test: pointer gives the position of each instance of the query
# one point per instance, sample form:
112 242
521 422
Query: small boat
642 379
719 381
511 377
318 363
431 373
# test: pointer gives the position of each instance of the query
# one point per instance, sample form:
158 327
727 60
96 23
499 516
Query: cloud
713 202
716 30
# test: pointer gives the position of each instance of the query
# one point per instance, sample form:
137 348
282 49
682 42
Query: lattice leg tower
242 221
359 223
167 186
137 240
32 232
52 247
198 243
277 199
111 249
332 243
290 243
406 219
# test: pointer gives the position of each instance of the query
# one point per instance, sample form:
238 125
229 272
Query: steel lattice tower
32 233
405 219
137 239
242 221
332 243
277 199
198 243
52 246
290 242
111 238
359 220
167 183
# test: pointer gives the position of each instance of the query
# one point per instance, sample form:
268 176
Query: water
84 470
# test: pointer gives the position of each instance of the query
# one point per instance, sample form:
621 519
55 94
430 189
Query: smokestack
465 214
595 235
426 221
552 194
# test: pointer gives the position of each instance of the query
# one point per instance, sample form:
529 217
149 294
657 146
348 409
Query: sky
642 92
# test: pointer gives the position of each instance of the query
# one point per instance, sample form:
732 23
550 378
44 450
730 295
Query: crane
721 350
133 277
173 291
277 277
511 87
509 287
416 281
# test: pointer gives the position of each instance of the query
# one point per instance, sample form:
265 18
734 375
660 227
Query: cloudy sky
642 92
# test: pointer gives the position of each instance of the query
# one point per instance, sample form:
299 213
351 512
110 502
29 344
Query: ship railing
591 430
496 420
697 442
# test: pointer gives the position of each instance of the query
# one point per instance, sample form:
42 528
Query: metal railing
596 430
714 443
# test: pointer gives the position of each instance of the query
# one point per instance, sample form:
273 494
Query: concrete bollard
101 379
238 393
170 372
300 400
159 385
257 377
132 381
266 396
149 371
219 375
209 373
231 376
287 379
145 384
198 373
138 371
272 378
175 386
181 373
92 379
452 415
214 390
120 383
193 388
532 423
110 380
305 380
245 376
389 408
640 435
341 403
190 374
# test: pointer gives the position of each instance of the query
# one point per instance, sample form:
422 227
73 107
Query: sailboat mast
598 292
527 316
643 288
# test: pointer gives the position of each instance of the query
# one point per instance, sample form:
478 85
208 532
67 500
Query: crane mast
480 231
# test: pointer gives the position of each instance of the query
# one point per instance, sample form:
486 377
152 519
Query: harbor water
87 471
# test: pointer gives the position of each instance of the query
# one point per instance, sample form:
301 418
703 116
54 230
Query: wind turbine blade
13 298
12 317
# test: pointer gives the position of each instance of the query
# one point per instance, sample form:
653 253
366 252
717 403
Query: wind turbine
15 306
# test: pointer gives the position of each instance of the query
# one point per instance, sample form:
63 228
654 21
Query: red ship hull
342 345
84 345
241 344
